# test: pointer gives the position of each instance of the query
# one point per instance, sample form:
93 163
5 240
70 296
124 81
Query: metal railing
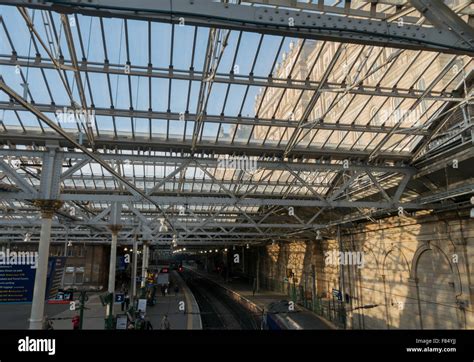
328 308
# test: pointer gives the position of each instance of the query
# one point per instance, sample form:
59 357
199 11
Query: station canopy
207 122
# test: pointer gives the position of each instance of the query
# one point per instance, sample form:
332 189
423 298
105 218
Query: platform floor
15 316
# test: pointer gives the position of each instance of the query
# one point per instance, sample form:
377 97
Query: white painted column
112 266
144 264
134 270
39 291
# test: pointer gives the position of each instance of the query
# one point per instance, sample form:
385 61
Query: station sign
119 298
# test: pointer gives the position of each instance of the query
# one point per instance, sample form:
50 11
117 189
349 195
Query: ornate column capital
115 228
48 207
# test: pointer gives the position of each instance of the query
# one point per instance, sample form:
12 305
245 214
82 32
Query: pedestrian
76 322
148 325
127 301
140 322
165 323
166 290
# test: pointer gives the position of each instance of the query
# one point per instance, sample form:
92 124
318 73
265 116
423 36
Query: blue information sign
16 283
17 280
119 297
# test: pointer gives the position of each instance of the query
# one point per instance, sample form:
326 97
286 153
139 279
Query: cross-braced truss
224 122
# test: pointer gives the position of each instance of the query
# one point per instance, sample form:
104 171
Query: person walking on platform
165 323
127 301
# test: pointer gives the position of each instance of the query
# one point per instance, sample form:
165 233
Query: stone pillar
48 207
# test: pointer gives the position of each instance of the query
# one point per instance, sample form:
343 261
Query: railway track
218 311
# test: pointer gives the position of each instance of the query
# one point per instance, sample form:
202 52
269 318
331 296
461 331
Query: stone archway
437 286
396 272
372 292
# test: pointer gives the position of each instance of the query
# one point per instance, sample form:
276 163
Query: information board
16 283
17 277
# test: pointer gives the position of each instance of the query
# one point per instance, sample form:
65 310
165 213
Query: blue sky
138 54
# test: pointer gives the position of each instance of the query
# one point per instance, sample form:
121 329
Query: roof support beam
206 147
225 78
445 19
251 121
266 20
213 201
18 179
66 136
212 162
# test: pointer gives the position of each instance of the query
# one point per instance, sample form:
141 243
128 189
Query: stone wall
416 272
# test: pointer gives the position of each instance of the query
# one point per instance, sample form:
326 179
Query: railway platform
171 305
258 302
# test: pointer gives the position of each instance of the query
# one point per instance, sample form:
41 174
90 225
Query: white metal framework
228 122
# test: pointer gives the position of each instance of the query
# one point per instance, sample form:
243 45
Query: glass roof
142 88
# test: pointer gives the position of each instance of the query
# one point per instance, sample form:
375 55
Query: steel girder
212 162
251 121
320 6
268 20
129 225
444 19
219 201
226 78
205 147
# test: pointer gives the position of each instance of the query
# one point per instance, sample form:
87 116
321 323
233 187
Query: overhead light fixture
318 235
27 237
69 243
125 249
248 246
217 251
225 249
